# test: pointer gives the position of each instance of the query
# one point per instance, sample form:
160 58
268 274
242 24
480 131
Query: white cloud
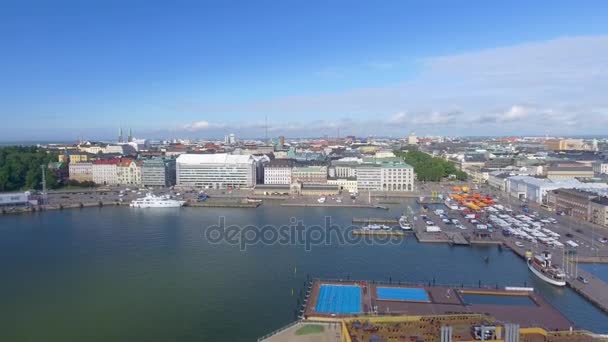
549 83
398 118
514 113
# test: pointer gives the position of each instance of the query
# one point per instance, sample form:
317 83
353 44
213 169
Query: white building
600 167
215 171
535 189
105 172
345 184
385 176
81 172
278 172
369 177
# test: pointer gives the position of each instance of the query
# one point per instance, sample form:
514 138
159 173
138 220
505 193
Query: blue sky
205 68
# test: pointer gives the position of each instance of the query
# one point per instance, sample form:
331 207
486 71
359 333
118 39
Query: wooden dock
375 220
378 232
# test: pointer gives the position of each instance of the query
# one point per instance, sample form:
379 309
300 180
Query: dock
221 204
375 220
378 232
456 238
596 291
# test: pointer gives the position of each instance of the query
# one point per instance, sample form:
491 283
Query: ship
151 201
404 224
541 266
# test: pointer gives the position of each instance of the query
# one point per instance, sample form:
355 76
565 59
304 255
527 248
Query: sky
202 69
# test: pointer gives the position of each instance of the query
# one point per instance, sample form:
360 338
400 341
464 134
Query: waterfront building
278 171
309 174
369 177
535 189
345 167
104 172
158 172
215 171
14 199
128 172
389 174
81 172
598 211
396 176
573 202
600 167
344 184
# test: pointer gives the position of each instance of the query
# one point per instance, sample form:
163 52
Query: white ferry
404 224
542 267
151 201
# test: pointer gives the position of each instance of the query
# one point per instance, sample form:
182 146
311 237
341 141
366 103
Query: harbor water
125 274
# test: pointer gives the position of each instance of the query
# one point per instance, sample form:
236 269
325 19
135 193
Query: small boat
404 224
541 266
372 227
253 200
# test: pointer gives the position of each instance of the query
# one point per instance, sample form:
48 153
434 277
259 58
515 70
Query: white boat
542 267
321 200
404 224
385 227
151 201
372 227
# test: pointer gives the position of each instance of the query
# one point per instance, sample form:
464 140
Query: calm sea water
599 270
121 274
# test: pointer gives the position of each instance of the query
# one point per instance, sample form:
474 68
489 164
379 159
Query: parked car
582 280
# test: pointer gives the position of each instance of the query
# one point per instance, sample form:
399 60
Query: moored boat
542 267
404 224
151 201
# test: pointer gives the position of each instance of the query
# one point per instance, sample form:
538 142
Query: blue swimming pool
339 299
471 298
402 293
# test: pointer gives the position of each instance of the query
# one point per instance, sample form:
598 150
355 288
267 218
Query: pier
456 238
596 291
378 232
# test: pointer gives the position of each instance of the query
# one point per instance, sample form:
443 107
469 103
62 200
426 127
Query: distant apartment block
215 171
81 172
105 172
128 172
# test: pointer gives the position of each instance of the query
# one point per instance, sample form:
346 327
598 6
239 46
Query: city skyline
202 71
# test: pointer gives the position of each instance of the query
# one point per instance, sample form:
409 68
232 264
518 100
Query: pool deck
446 301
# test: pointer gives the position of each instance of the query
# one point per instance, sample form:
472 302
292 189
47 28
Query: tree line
20 168
430 169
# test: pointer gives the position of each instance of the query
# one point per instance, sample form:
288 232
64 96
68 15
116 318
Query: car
582 280
569 235
603 240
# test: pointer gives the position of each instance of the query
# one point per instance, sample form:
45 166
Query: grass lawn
310 329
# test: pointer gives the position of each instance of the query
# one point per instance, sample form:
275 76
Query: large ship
151 201
541 266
